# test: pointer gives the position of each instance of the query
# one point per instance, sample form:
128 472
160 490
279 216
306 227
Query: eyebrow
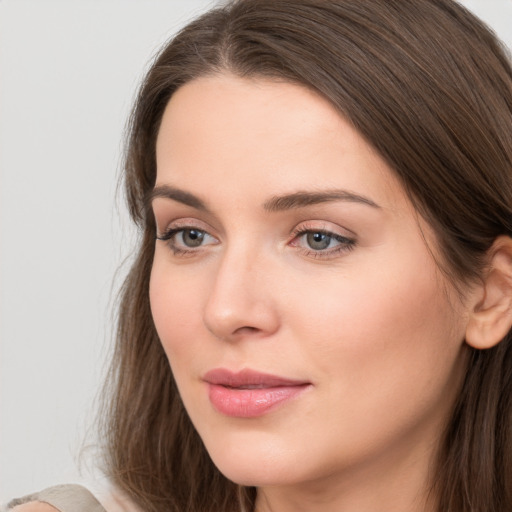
176 194
284 202
306 198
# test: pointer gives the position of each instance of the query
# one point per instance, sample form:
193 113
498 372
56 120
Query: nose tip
240 303
240 319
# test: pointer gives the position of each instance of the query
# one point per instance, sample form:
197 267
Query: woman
324 191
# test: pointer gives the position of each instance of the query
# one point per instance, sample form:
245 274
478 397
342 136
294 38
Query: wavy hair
429 86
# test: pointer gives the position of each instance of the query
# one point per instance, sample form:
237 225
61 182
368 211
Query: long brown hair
430 88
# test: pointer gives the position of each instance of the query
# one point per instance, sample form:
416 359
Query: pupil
192 237
318 241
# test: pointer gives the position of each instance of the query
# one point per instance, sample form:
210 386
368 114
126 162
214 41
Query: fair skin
361 318
359 312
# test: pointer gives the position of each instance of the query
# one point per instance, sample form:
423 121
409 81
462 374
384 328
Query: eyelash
345 244
169 235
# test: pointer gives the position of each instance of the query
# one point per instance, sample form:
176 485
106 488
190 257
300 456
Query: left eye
318 241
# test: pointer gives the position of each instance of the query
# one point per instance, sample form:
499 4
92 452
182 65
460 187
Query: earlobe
491 318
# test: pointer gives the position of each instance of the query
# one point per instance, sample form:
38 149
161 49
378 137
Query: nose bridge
240 301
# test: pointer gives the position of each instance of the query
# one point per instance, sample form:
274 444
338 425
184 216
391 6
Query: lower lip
251 403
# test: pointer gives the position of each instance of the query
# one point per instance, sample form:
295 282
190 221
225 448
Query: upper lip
248 378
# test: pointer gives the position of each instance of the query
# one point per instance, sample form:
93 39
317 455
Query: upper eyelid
325 227
183 223
312 225
332 234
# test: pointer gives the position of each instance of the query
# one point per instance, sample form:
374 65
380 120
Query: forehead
256 134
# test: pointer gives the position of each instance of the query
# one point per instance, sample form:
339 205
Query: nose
242 299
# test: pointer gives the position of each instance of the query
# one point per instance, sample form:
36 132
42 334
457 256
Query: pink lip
249 394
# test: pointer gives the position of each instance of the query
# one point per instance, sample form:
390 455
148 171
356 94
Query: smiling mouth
250 394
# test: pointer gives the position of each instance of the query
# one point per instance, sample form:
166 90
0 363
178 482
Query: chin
257 462
262 475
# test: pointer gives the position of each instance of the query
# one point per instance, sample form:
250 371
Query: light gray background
68 72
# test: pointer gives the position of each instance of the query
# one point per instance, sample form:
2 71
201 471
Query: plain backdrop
68 74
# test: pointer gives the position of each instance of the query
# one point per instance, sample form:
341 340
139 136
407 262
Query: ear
491 317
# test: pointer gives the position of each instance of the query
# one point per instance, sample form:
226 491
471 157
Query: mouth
250 394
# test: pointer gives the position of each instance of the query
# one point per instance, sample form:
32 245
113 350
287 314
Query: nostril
246 330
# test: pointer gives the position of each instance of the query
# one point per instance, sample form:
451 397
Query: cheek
380 341
387 339
175 303
397 301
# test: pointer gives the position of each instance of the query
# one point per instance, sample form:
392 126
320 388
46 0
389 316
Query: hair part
430 88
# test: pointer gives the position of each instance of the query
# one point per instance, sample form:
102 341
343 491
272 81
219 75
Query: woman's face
295 292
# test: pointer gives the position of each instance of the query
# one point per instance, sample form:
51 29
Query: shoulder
61 498
34 506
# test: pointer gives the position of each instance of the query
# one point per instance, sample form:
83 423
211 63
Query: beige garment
66 498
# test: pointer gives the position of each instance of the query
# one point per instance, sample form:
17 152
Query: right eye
191 237
185 239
